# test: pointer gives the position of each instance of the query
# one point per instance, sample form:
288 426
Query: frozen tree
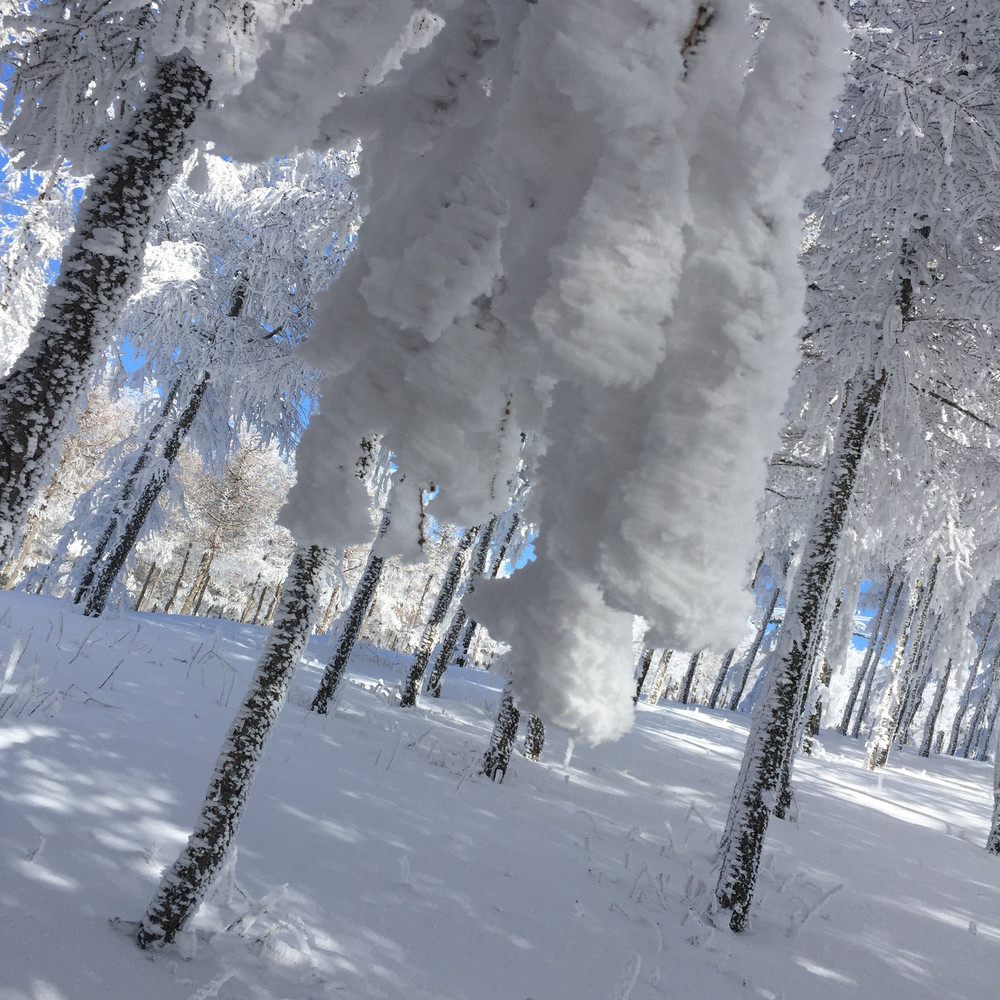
184 884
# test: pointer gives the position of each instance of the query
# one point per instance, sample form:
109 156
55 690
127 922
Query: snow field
374 862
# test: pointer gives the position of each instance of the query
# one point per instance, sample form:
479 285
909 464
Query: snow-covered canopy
583 222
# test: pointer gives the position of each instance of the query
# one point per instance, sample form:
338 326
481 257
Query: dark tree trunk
179 580
476 568
184 885
776 715
656 688
438 614
685 692
534 738
497 756
963 702
993 840
972 733
101 267
354 618
934 711
720 680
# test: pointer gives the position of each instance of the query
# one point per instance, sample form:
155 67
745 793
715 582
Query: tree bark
656 688
497 756
963 702
448 587
447 647
993 840
101 267
720 680
645 661
685 692
934 711
184 885
354 618
776 715
872 670
534 738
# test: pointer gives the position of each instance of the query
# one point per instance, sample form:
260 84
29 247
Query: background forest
504 364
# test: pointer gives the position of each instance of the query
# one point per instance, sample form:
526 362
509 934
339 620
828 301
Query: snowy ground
374 862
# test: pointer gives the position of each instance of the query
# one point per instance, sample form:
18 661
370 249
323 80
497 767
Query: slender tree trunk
993 840
963 702
866 691
145 586
184 885
204 565
128 487
656 688
534 738
644 662
891 701
101 267
448 587
179 580
720 679
917 687
354 618
873 642
130 522
934 711
746 664
447 647
982 704
776 715
497 756
685 692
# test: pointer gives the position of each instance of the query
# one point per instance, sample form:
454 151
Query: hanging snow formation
583 222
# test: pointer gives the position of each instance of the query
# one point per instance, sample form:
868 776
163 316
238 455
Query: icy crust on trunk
584 223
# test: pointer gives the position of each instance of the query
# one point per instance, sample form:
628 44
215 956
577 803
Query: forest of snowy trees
630 349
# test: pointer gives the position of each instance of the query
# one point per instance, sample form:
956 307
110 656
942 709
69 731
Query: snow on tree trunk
451 637
534 738
917 687
972 732
746 664
497 756
184 885
354 618
776 715
133 521
647 659
656 688
100 269
889 704
438 614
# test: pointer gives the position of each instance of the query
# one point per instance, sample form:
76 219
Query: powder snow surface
375 863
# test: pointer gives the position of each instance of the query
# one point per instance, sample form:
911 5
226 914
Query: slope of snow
374 862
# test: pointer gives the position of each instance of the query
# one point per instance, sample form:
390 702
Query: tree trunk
963 702
101 267
720 680
179 580
685 692
183 887
872 670
647 659
354 618
497 756
656 688
934 711
145 586
890 703
746 664
862 672
917 686
534 738
204 565
776 715
476 568
438 613
129 523
982 704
